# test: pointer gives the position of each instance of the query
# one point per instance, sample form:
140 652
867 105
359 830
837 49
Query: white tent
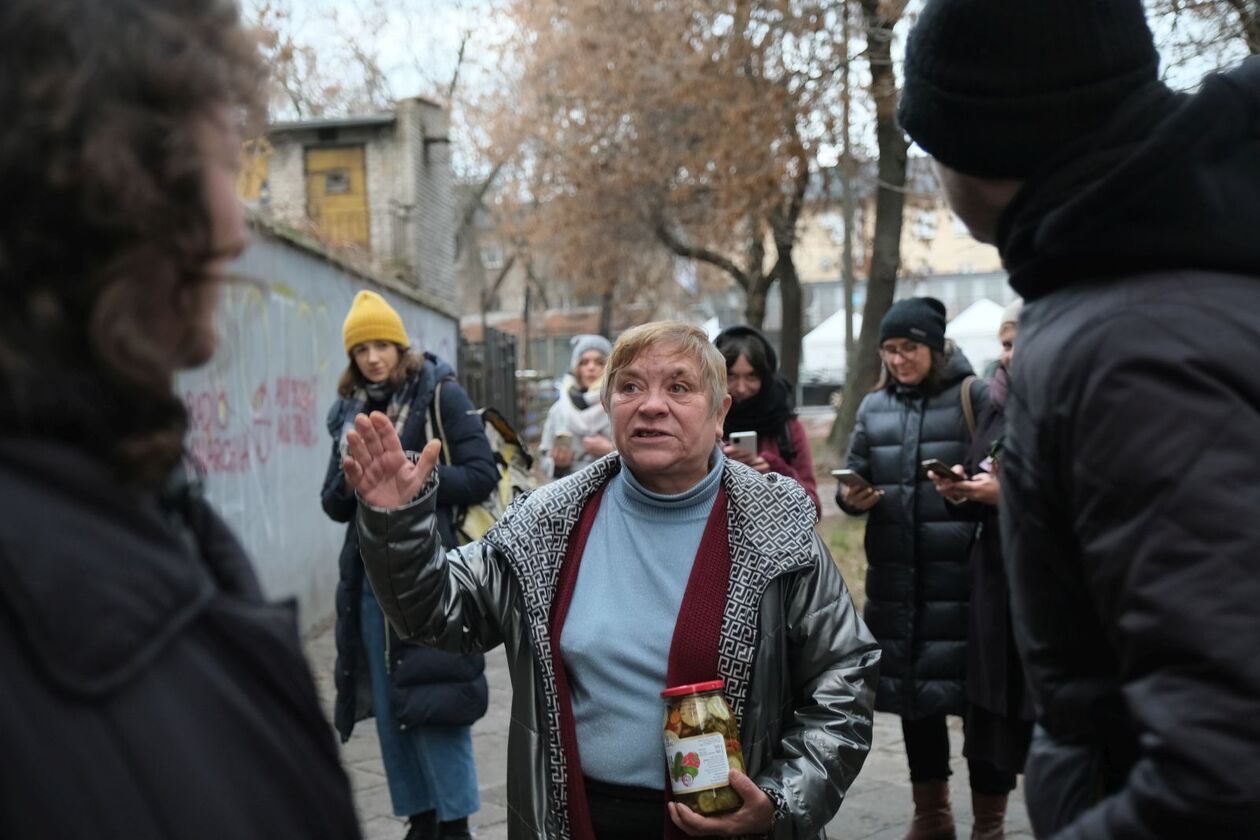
822 348
975 332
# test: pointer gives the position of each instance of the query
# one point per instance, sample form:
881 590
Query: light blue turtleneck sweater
617 635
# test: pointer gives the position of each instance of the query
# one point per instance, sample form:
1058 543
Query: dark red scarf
693 652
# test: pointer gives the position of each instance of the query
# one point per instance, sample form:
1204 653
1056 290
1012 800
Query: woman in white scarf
577 431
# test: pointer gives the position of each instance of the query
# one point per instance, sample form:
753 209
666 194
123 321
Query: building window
337 182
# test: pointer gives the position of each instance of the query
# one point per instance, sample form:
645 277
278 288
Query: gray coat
799 665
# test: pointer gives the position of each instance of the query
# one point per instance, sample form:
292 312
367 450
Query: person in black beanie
1126 217
917 583
921 320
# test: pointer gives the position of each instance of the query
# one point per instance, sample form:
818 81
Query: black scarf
766 413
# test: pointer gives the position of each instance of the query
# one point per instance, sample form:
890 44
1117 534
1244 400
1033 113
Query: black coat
995 676
147 690
427 686
1131 481
917 580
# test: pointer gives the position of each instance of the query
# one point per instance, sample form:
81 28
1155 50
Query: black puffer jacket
147 690
427 686
1131 486
916 583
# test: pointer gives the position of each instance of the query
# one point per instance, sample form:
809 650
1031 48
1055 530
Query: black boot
454 830
422 826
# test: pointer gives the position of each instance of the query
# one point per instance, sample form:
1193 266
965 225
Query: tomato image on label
686 768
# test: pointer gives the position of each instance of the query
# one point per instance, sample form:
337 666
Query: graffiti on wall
256 411
281 412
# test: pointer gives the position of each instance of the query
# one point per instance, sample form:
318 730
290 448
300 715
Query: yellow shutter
336 194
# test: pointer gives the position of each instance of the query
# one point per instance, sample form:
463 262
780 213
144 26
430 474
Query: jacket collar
94 573
767 519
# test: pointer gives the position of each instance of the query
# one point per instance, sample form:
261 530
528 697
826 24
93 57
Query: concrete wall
286 182
258 409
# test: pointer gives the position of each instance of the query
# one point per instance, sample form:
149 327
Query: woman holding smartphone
999 710
917 584
762 403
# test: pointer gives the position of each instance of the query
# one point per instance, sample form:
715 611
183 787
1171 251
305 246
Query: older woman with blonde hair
693 568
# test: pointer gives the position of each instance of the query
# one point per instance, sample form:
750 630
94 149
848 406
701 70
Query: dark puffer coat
1131 485
917 580
147 689
427 686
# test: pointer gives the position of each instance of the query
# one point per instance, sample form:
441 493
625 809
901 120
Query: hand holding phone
745 442
850 479
855 491
942 470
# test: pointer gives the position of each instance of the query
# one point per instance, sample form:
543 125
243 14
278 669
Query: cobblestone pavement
877 806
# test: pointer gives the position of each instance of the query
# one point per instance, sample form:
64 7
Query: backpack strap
434 420
969 410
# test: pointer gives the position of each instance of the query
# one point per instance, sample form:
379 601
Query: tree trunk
889 210
790 337
849 208
755 302
605 312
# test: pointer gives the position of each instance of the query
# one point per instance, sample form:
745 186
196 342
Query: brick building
377 187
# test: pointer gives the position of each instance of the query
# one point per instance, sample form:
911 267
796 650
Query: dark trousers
625 813
927 750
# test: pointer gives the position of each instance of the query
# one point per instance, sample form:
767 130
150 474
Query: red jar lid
694 688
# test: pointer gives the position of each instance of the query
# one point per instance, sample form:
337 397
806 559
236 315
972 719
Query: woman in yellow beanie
424 700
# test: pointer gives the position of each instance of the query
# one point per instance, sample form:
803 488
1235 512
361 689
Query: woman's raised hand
378 469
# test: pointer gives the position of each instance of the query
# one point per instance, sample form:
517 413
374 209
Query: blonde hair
686 339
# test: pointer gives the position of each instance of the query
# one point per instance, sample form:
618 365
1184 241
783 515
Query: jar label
698 763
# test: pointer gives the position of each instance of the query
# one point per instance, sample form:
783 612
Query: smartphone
746 441
850 479
941 469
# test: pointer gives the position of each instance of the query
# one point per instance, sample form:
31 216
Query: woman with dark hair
762 401
424 700
149 689
917 583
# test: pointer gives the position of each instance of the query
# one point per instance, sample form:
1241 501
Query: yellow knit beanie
372 319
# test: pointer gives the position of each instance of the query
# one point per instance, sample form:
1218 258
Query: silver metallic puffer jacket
800 666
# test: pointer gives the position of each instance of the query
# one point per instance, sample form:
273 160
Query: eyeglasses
905 351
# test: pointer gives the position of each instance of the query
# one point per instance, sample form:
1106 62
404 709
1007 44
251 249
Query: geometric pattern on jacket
770 523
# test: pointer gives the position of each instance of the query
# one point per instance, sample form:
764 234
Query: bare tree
693 125
879 18
1207 35
330 77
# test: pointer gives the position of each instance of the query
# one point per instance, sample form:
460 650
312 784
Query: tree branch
469 212
692 252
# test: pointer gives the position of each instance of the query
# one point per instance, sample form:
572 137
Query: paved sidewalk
877 806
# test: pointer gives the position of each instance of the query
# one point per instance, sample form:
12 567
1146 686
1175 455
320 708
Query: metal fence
487 370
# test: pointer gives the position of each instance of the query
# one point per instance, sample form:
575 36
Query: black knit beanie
920 319
997 88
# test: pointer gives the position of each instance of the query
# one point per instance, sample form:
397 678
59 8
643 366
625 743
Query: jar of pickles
701 747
